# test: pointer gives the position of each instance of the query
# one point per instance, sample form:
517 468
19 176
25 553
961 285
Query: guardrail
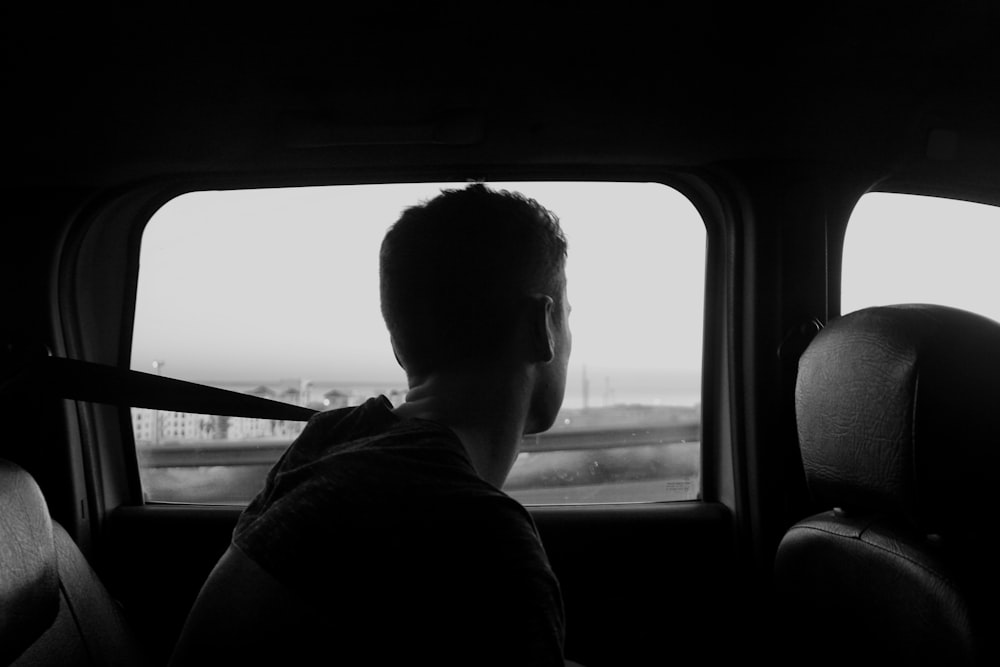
266 451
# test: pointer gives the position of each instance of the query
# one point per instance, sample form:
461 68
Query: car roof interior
120 97
773 119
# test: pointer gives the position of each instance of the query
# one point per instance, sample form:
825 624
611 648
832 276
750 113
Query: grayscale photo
558 335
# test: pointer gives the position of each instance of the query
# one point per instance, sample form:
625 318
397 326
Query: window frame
99 329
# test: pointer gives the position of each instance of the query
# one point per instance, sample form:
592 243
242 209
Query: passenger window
274 292
903 248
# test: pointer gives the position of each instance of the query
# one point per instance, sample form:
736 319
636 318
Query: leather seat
53 608
898 415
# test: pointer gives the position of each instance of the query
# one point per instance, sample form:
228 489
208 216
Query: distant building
253 428
166 426
291 395
262 391
335 398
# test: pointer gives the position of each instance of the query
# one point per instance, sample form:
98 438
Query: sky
272 284
280 284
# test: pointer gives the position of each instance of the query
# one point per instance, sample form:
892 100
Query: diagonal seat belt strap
98 383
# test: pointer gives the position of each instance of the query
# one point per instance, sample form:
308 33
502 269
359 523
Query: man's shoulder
334 427
339 448
351 468
398 513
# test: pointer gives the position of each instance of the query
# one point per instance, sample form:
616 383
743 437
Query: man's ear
540 329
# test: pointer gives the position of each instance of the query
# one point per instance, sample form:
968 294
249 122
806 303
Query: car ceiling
97 98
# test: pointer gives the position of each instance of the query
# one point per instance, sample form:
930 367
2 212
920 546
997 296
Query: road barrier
188 454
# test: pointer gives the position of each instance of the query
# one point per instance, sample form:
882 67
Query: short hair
453 269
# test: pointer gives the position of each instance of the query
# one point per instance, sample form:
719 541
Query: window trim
106 439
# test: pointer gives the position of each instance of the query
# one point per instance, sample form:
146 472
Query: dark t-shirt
404 553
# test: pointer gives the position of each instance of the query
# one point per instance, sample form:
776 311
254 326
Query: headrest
898 411
29 581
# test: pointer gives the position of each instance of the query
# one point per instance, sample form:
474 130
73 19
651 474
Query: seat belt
58 377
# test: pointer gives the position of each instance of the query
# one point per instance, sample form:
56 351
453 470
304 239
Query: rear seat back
53 608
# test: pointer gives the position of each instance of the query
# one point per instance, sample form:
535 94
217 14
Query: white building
167 427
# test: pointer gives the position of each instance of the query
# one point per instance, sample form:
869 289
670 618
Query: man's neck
486 410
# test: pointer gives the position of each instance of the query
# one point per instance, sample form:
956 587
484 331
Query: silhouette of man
382 535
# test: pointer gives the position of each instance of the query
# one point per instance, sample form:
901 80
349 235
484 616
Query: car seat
897 417
53 608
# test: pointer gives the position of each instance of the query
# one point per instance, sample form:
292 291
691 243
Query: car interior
826 492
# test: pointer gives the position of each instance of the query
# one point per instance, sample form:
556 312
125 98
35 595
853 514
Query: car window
274 292
902 248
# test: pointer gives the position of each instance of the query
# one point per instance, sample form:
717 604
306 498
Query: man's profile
382 535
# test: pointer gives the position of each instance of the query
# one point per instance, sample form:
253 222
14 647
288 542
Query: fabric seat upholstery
896 410
29 579
53 608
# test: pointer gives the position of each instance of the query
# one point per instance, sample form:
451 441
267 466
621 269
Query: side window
274 292
902 248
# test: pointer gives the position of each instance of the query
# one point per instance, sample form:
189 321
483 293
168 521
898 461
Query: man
382 535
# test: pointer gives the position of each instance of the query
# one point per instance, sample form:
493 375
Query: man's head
457 271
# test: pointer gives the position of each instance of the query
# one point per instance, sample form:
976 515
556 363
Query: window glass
274 292
903 248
